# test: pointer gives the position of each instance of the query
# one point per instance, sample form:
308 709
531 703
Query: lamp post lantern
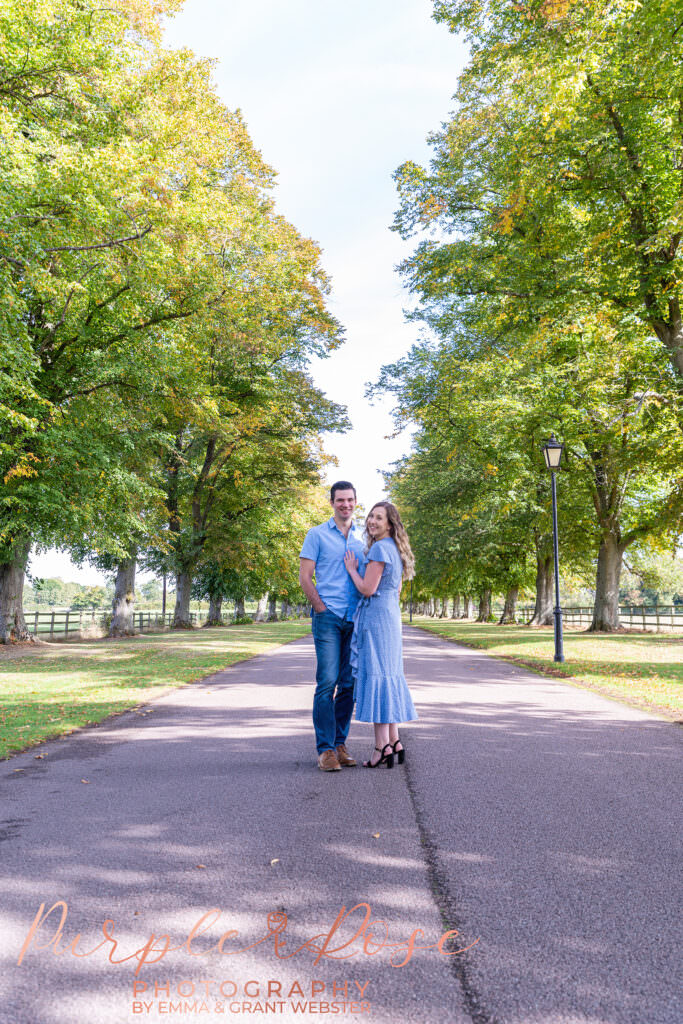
552 453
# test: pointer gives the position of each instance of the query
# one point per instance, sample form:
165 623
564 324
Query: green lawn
58 687
643 669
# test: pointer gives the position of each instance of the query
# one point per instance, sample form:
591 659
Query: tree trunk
671 334
261 609
484 605
215 606
606 606
543 610
272 609
285 610
444 608
467 608
239 608
123 605
183 590
509 611
12 622
455 614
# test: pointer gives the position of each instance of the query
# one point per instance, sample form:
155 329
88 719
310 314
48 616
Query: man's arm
306 570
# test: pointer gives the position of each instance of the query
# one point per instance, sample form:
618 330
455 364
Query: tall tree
476 490
132 204
559 177
554 204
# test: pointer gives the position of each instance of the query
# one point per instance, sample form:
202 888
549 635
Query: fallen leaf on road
18 769
375 835
200 866
38 757
275 860
87 781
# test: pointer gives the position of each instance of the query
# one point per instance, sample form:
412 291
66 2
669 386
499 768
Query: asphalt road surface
538 820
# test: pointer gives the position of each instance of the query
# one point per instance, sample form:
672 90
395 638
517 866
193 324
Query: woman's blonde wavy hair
398 531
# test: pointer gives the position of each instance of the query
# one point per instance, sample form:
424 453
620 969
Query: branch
122 334
105 302
53 330
101 245
634 572
15 263
98 387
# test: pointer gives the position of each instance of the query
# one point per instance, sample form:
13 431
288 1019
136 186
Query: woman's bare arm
368 584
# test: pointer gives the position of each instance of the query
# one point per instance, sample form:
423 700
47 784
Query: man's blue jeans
332 710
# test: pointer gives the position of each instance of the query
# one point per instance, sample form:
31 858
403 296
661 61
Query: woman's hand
351 562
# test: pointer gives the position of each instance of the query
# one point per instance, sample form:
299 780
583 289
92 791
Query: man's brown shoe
344 758
327 762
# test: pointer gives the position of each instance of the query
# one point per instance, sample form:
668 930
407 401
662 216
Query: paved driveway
537 819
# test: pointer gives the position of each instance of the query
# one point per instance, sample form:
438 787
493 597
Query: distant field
52 689
642 669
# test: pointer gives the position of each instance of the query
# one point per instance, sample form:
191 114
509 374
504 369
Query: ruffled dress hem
375 706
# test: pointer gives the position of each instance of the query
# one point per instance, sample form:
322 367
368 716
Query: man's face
344 503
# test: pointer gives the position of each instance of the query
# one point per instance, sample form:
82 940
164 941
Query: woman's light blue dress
382 694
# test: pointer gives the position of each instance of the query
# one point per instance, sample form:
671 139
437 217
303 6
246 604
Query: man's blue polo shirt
326 545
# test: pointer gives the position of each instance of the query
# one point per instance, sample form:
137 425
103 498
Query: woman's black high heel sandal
400 754
387 759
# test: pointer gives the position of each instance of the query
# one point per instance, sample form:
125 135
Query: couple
357 627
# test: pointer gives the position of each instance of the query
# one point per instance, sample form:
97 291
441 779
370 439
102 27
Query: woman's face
377 522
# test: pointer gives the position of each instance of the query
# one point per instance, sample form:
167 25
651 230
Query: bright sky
336 97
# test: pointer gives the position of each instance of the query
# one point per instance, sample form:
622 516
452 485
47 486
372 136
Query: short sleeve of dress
311 545
380 552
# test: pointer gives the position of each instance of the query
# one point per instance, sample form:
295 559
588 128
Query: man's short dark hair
341 485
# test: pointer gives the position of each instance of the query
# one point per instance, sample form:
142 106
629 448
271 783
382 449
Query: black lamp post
411 600
552 453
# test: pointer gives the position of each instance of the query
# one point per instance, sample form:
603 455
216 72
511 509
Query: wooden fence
60 625
656 618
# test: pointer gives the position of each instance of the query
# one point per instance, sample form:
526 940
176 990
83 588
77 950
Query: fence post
35 628
52 626
66 625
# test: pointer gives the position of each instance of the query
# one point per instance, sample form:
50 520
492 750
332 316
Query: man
333 598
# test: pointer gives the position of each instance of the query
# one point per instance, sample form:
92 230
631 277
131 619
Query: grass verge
643 669
54 689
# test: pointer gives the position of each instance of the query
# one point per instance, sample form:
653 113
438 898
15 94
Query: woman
382 695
